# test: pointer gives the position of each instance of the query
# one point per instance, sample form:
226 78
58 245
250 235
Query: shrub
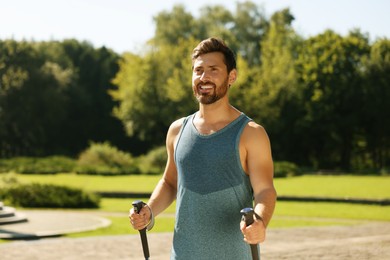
8 179
48 165
153 162
48 196
285 169
104 159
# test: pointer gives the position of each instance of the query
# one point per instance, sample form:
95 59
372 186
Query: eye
214 69
198 71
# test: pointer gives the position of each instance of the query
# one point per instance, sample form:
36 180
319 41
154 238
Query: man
219 162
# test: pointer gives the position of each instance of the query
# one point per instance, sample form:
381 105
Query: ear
232 76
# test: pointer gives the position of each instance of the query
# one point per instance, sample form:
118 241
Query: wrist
259 218
150 225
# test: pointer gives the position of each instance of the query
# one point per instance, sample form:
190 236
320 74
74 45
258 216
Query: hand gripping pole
138 205
247 216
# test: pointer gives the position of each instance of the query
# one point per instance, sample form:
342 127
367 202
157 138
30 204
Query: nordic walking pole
247 216
138 205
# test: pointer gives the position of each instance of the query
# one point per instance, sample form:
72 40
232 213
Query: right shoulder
176 125
174 130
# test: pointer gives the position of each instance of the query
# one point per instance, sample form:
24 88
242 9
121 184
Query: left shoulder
254 130
254 137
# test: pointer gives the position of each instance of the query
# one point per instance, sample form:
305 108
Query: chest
208 129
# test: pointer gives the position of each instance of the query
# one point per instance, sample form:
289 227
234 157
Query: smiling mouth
206 87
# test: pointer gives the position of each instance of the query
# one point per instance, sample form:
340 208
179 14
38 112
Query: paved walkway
48 223
364 240
367 241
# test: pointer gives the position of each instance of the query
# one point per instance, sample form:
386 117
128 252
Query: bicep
170 172
259 159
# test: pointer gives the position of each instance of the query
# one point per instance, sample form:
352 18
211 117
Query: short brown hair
216 45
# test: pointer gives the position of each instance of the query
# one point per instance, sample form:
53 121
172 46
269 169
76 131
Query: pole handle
138 205
248 217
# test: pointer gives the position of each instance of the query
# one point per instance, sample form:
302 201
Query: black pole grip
247 216
138 205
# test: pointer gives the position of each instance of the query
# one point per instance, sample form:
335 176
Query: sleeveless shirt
211 191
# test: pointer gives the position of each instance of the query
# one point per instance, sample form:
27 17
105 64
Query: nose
204 76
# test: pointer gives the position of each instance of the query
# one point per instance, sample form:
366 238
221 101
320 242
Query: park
83 128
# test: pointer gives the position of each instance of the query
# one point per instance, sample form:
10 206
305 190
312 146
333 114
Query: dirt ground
370 240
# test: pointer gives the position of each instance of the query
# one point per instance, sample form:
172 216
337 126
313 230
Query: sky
126 25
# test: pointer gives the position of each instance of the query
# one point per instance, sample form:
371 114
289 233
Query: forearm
265 204
163 196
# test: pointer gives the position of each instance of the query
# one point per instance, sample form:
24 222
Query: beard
217 94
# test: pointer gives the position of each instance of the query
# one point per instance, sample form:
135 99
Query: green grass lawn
289 209
371 187
133 183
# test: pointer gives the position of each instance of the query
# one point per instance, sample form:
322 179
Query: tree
31 95
249 28
153 90
90 105
274 94
216 21
173 26
53 98
329 70
376 106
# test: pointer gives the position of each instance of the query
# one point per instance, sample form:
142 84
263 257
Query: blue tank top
212 190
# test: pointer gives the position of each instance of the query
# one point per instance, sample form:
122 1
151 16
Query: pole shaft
144 242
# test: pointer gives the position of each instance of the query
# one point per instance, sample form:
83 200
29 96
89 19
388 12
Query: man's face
210 80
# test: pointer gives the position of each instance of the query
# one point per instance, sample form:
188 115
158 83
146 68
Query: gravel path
364 241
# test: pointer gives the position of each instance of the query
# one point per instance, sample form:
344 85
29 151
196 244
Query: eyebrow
208 66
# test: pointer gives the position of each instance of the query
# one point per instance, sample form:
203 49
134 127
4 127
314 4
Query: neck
217 111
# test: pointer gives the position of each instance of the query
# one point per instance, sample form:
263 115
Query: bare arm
165 191
259 165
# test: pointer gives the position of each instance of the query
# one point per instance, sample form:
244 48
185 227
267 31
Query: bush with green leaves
41 165
285 169
48 196
154 161
104 159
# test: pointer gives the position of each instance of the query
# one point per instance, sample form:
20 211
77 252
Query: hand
141 220
255 233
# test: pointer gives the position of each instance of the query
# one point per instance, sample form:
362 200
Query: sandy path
363 241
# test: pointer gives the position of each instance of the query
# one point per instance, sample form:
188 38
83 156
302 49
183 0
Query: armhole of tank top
237 144
185 121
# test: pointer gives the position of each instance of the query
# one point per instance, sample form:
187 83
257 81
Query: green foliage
250 25
285 169
173 26
329 71
104 159
45 165
53 97
151 93
48 196
323 100
154 162
375 140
